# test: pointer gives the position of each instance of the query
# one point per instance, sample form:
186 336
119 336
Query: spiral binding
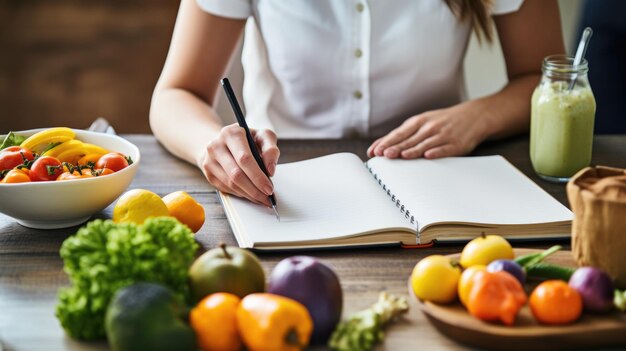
406 212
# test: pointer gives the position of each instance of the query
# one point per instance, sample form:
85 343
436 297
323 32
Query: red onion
595 287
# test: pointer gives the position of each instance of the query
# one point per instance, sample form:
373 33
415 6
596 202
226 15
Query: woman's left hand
452 131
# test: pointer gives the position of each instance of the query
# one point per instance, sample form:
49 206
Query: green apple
484 249
435 278
226 269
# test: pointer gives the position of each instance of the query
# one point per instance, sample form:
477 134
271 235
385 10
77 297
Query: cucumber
549 271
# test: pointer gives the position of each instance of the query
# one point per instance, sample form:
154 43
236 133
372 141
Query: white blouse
342 68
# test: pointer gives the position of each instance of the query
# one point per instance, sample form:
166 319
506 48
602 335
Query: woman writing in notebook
391 70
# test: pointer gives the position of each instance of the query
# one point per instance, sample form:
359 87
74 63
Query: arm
527 36
182 115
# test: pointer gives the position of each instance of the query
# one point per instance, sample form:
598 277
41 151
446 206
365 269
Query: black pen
242 123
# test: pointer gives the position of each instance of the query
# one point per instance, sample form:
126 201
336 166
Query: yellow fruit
39 141
57 150
187 210
465 283
484 249
94 149
72 155
138 204
435 279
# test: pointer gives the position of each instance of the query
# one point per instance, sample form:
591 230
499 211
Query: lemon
138 204
435 279
484 249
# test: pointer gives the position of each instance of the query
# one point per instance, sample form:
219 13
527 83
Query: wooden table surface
31 269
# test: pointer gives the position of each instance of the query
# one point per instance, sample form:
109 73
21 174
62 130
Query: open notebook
337 200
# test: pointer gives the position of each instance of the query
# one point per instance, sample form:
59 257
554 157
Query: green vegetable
549 271
12 139
50 147
535 267
147 316
364 329
531 259
619 300
104 257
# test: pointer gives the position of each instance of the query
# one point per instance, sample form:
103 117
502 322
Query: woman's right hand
229 165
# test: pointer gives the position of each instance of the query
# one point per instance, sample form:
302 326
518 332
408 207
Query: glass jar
561 120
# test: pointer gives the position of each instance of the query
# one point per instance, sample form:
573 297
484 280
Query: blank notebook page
483 189
326 197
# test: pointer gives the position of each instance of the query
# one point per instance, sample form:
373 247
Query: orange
465 282
555 302
184 208
214 319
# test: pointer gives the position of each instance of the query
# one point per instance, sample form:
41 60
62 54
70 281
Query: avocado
147 316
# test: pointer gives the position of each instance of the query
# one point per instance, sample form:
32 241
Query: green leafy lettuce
104 256
11 139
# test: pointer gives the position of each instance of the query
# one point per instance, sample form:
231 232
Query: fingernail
391 152
268 190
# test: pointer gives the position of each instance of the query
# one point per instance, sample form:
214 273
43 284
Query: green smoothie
561 129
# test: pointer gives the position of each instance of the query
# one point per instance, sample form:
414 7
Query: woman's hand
229 165
433 134
527 36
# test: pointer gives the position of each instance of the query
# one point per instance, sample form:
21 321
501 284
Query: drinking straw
580 52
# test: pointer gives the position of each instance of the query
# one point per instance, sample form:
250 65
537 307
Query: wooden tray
590 331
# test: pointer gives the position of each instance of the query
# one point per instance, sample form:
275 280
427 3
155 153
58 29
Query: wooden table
31 269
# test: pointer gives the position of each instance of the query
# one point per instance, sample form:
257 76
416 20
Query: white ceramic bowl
49 205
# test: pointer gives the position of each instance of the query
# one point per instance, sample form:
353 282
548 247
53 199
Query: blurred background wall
66 62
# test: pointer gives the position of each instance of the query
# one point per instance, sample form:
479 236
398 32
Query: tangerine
555 302
186 209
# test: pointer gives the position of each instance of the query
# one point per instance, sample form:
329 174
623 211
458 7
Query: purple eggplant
312 283
508 266
595 287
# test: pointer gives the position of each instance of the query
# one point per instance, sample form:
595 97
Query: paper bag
597 196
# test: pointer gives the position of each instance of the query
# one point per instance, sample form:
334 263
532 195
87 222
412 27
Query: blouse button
358 95
360 7
358 53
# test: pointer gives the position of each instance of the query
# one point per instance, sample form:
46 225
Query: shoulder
502 7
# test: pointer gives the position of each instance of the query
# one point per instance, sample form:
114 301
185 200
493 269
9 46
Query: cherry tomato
66 176
85 173
16 176
45 168
103 171
113 160
14 156
555 302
